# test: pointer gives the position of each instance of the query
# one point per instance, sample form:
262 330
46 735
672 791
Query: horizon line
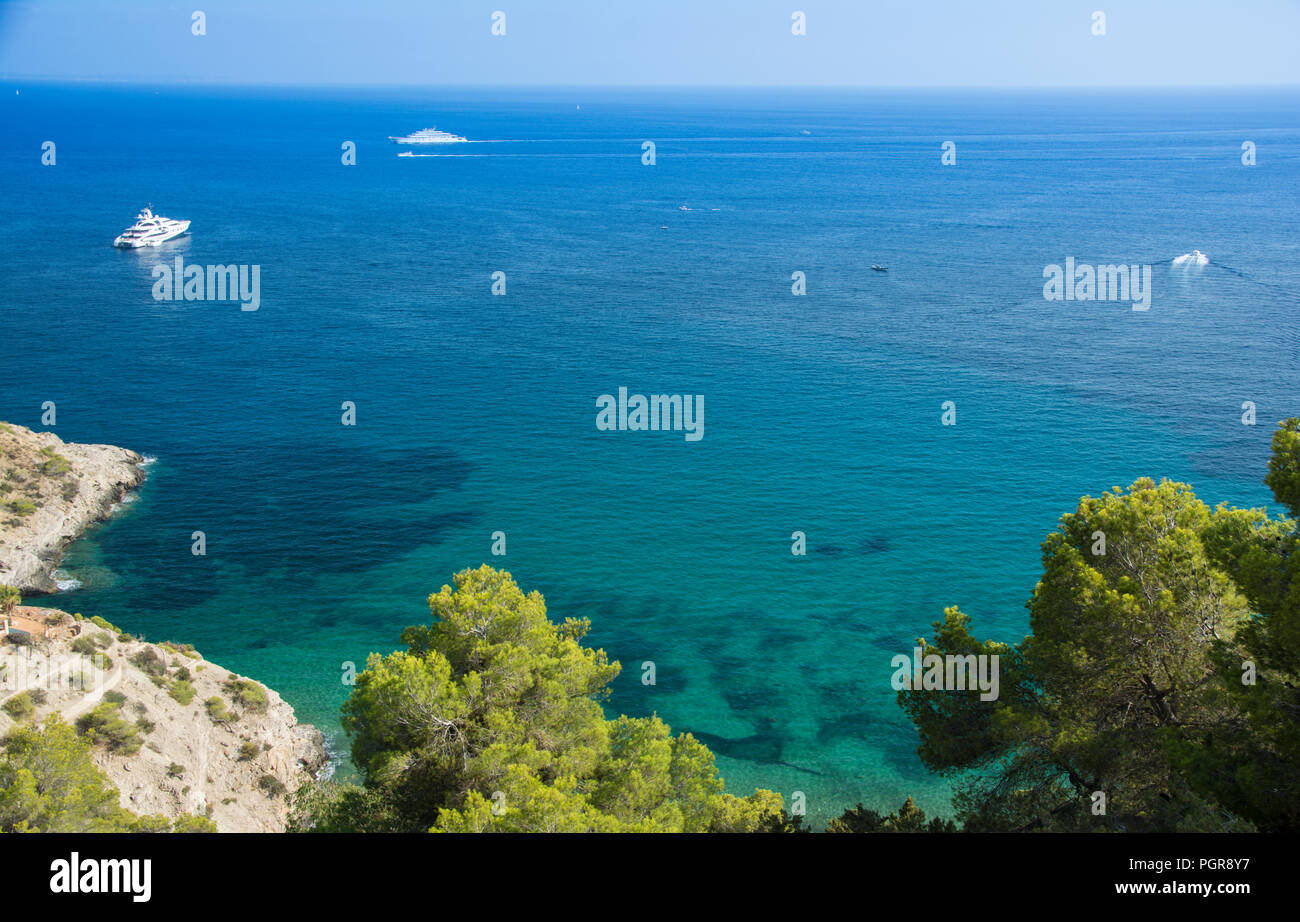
154 83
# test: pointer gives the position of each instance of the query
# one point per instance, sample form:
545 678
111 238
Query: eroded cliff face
176 733
51 491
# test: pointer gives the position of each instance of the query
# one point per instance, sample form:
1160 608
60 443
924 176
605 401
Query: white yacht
149 230
428 136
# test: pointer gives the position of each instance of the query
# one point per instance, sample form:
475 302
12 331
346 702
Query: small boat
879 268
1194 258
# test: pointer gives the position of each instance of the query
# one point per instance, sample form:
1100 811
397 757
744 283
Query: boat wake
1194 258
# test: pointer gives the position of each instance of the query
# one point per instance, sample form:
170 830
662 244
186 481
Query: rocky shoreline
51 491
175 733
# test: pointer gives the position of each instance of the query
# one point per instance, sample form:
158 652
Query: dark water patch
764 747
752 699
778 639
282 515
875 544
1234 461
846 726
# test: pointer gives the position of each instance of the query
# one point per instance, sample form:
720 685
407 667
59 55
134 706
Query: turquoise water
476 413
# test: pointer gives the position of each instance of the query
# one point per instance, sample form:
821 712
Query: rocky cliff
51 491
176 733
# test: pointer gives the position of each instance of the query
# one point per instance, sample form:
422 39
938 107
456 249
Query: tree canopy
1158 688
48 783
491 720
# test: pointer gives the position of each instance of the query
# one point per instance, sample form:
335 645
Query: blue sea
475 412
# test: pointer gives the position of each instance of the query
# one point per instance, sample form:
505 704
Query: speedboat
428 136
879 268
1194 258
149 230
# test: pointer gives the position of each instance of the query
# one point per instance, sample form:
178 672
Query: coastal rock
238 764
51 491
175 733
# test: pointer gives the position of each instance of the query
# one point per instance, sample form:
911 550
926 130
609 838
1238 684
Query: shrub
115 697
247 694
187 822
248 751
21 507
38 696
145 724
54 465
85 646
271 786
183 674
102 661
100 622
150 663
182 691
217 710
105 725
10 598
175 770
20 706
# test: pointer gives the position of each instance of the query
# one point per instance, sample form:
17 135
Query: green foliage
21 507
175 770
908 818
189 823
10 598
217 710
85 646
247 694
148 661
105 725
1248 764
100 622
271 786
20 707
183 692
490 720
1284 465
54 465
248 751
1163 672
48 783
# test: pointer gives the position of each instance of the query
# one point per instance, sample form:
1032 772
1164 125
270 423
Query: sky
865 43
